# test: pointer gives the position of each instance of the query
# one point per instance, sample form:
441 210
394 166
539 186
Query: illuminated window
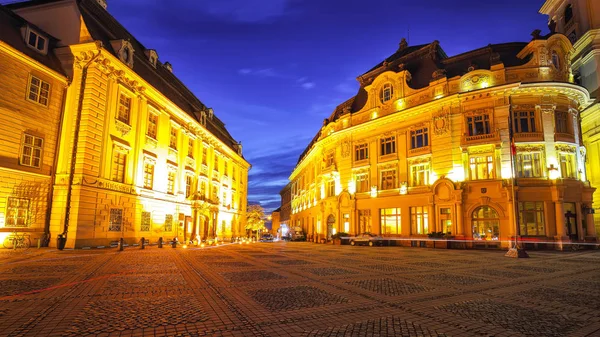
116 220
118 168
203 188
39 91
386 93
419 138
148 175
390 220
124 108
36 41
388 145
204 155
330 188
17 212
481 167
388 179
215 193
168 223
485 223
561 122
173 138
31 151
532 218
224 199
361 152
189 182
190 148
524 121
233 173
215 162
567 165
529 165
479 125
146 222
419 220
419 174
364 221
555 60
225 168
329 159
171 182
152 129
362 182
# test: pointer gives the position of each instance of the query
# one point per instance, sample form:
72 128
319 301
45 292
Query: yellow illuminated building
138 155
579 20
425 146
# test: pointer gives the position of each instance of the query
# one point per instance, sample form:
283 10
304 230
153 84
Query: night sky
272 70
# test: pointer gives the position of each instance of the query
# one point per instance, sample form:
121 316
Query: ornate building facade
425 146
138 154
579 20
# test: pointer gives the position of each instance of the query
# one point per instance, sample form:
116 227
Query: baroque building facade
481 146
138 154
579 20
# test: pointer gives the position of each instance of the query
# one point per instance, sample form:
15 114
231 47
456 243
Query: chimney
168 66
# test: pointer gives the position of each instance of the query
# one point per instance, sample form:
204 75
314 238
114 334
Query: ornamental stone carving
346 148
441 124
565 148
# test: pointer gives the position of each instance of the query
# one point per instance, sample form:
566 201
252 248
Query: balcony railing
419 150
529 136
564 137
480 138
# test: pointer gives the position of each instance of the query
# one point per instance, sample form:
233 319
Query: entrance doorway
330 223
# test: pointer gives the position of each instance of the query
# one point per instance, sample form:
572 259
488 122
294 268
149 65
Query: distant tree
254 219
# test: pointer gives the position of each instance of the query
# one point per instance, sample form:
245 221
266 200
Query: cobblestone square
298 289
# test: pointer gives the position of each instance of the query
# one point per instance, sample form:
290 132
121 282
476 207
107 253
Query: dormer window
124 51
152 57
568 14
387 92
555 60
36 41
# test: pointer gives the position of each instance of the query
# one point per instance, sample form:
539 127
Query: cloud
347 87
308 85
264 72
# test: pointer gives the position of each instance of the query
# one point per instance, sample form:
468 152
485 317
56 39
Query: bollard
160 242
143 241
121 244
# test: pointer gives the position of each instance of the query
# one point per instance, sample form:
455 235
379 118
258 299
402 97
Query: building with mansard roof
134 154
425 147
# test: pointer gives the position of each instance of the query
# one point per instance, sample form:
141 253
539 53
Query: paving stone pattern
298 289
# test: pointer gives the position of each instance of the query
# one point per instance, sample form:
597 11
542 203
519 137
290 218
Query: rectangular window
215 193
419 174
529 164
31 151
561 122
39 91
168 223
390 220
171 182
329 159
204 155
118 169
148 175
419 138
362 182
224 199
203 188
481 168
388 145
146 222
215 162
331 188
531 218
478 125
567 165
36 41
191 148
116 220
524 121
225 168
361 152
388 179
419 220
233 173
189 181
17 212
173 138
152 129
124 108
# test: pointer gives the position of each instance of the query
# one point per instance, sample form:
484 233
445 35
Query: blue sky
272 70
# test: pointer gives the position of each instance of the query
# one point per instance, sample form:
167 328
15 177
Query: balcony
191 162
419 151
204 170
483 138
564 137
151 142
529 136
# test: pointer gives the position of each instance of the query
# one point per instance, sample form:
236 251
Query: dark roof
10 33
105 28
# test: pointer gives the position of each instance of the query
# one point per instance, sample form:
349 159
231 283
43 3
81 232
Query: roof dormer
36 40
102 3
124 51
168 66
152 56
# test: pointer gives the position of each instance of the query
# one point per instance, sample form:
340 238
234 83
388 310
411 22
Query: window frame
570 167
38 93
149 168
173 137
568 127
146 221
116 174
29 33
387 93
419 220
123 107
538 215
364 182
383 173
425 171
33 148
521 164
471 123
530 121
171 177
14 213
386 214
361 152
490 175
115 213
152 127
387 143
415 134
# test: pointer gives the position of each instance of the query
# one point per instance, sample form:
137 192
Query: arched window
485 223
555 60
568 14
387 92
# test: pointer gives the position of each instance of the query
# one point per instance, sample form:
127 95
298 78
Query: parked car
266 237
366 239
296 234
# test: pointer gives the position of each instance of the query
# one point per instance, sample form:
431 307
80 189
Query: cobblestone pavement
298 289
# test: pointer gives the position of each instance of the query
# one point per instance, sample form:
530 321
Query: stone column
460 227
433 226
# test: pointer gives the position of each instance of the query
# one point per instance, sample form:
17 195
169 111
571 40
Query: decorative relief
441 124
151 142
546 108
481 150
523 106
566 148
530 148
475 80
123 128
419 160
346 148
